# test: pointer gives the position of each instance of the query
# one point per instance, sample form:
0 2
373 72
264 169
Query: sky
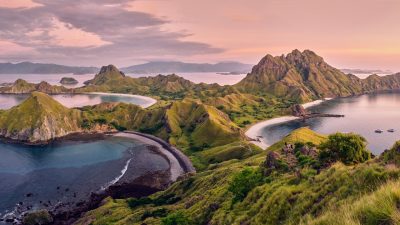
362 34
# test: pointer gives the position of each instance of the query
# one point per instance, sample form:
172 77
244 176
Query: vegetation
243 182
347 148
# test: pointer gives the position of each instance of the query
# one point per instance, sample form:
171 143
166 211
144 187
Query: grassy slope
36 113
284 199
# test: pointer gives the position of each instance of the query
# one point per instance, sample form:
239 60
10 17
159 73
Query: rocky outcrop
39 119
298 110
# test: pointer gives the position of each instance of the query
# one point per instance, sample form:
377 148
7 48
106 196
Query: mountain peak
303 76
106 73
109 69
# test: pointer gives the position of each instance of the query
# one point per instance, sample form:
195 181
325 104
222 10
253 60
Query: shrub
176 219
347 148
243 182
392 155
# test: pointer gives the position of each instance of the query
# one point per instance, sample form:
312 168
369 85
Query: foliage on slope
306 196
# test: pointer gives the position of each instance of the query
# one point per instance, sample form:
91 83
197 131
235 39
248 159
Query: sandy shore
150 101
180 164
256 130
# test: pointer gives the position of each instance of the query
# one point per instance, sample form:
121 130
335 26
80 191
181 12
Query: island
68 81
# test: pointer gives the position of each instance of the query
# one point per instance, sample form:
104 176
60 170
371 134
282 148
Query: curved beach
151 101
255 131
180 164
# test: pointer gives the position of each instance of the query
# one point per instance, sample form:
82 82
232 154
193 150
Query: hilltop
38 119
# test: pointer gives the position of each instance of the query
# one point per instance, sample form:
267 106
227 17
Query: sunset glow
356 34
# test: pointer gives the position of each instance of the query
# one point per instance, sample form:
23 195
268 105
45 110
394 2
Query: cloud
92 31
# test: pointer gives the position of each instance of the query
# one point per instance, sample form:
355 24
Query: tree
347 148
243 182
177 218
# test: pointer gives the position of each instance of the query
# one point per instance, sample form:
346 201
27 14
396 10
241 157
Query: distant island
40 68
147 68
68 81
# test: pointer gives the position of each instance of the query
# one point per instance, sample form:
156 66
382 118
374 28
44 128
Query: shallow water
69 171
363 115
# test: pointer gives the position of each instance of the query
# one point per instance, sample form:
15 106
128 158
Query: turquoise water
77 100
363 115
22 159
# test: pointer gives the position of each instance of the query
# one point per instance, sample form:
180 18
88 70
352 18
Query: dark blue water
363 115
69 171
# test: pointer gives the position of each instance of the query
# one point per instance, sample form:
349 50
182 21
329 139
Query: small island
68 81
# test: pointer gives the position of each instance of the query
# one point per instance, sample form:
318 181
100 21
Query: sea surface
54 79
65 172
78 100
363 115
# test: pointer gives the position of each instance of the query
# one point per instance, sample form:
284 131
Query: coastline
180 163
255 130
126 184
151 101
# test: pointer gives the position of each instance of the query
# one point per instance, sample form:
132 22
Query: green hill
188 124
38 119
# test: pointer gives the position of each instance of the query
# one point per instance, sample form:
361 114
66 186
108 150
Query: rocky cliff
305 76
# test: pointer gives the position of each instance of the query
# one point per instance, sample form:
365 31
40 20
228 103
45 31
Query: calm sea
363 115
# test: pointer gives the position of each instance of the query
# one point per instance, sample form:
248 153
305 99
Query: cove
78 100
36 177
363 115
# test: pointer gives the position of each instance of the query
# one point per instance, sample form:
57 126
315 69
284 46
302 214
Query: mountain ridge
305 76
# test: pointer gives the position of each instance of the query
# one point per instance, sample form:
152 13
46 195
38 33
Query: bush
243 182
347 148
392 155
156 213
176 219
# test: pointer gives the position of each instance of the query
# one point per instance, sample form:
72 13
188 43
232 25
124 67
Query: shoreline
255 130
179 161
151 101
124 185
